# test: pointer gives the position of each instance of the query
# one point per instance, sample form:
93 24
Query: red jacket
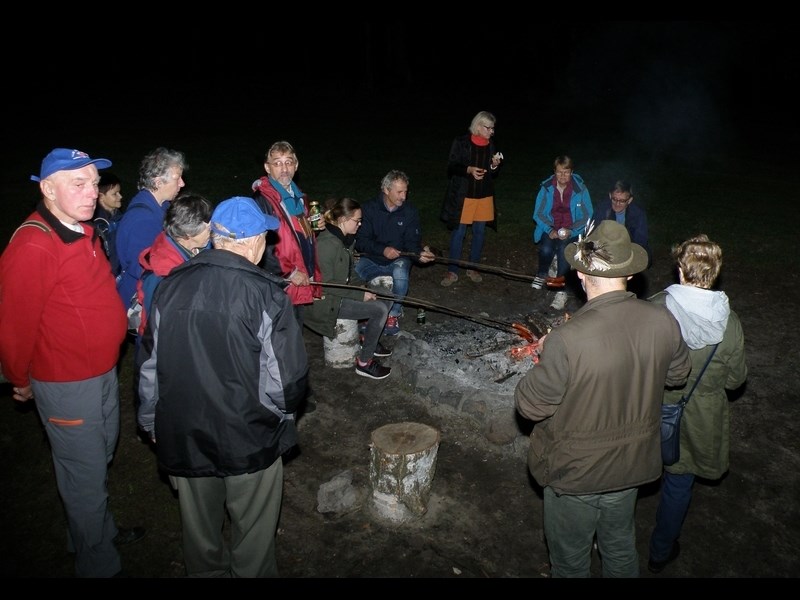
61 318
164 255
287 247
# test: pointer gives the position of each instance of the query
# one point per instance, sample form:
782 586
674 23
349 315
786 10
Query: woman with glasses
562 211
469 200
335 257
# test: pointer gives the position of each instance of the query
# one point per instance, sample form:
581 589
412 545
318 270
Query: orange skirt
477 209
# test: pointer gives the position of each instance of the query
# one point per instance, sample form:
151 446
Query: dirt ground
484 517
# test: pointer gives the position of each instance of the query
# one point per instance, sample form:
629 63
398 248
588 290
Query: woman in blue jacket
563 209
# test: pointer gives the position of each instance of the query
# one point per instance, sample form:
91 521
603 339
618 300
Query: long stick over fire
517 328
468 265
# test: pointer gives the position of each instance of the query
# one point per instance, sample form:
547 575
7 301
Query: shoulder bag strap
703 370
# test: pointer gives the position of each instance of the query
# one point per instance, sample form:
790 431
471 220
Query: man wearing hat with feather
596 398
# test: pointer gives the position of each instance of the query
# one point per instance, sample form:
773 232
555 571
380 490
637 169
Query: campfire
471 355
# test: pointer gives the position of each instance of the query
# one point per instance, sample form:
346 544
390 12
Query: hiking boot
656 566
449 279
560 301
382 351
474 276
392 326
127 536
373 369
537 283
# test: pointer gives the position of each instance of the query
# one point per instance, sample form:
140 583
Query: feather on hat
606 251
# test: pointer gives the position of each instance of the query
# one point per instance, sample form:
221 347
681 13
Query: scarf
294 204
347 240
478 140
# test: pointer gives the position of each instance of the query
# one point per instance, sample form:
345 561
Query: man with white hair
223 371
61 327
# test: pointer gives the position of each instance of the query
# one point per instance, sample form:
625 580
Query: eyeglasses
565 172
489 127
356 220
288 163
620 201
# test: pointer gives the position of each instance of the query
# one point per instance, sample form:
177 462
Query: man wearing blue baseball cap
223 369
61 327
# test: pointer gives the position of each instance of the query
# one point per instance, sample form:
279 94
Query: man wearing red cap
61 326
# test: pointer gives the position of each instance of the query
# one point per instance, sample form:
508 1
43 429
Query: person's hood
702 314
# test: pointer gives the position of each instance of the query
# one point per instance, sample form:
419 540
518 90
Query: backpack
141 301
107 230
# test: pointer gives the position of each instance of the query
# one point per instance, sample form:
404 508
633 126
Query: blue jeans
676 494
457 240
398 269
570 524
549 248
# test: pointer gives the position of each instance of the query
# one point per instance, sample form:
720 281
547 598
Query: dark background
700 115
675 86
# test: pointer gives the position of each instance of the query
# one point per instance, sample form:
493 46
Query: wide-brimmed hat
240 217
606 251
66 159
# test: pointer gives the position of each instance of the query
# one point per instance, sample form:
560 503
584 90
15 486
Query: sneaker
537 283
449 279
560 301
474 276
382 351
373 369
656 566
392 326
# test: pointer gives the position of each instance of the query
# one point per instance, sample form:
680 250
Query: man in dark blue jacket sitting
389 232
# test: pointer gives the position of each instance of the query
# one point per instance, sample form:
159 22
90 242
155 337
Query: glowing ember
531 349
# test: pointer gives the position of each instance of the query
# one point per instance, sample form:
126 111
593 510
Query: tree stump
340 351
402 466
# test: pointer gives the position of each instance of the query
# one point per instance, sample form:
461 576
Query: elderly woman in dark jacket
469 199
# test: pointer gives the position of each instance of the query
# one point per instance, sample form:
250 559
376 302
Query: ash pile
470 368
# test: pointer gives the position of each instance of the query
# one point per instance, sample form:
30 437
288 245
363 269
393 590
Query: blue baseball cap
64 159
239 217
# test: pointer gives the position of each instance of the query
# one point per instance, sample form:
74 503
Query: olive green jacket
336 265
705 426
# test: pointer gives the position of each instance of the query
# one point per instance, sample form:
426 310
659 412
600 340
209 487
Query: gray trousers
253 502
81 419
570 524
